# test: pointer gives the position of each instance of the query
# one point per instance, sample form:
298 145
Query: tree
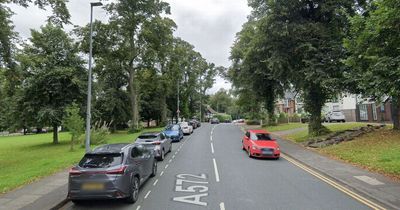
55 76
374 60
74 123
221 101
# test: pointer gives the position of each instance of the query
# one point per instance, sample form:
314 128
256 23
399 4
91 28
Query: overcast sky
209 25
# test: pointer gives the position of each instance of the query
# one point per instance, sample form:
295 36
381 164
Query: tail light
74 171
120 170
157 142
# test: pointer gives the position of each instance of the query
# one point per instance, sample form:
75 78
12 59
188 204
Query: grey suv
157 142
113 171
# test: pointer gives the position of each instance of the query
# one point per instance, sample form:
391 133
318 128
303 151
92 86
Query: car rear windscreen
147 137
100 160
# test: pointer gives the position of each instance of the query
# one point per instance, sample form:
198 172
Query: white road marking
155 182
369 180
170 160
176 153
137 208
216 170
212 148
173 156
162 172
222 206
211 137
166 166
147 194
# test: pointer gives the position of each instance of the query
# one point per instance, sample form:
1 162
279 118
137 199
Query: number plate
267 152
93 186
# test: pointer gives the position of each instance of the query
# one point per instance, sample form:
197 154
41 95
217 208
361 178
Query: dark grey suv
113 171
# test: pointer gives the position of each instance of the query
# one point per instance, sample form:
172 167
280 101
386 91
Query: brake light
120 170
157 142
74 171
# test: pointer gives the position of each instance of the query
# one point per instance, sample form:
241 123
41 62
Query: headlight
278 148
254 147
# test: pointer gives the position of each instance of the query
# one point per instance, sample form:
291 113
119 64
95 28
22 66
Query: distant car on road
157 142
112 171
174 132
186 128
336 116
193 123
259 143
214 121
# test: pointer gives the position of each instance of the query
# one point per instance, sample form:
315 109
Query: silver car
157 142
113 171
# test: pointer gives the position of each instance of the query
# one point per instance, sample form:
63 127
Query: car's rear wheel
162 156
249 152
133 197
154 169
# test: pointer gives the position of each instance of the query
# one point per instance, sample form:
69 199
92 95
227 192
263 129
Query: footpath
373 186
44 194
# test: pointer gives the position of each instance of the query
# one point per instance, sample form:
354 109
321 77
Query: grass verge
286 126
302 136
24 159
377 151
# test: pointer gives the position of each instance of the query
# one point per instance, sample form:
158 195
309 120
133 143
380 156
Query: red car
259 143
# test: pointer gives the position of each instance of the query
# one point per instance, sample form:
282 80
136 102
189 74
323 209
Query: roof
258 131
109 148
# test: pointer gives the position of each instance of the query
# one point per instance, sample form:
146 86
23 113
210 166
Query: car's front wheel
133 197
249 152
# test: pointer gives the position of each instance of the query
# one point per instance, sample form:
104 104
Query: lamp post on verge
89 93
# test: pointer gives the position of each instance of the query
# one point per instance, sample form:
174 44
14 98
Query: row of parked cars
116 171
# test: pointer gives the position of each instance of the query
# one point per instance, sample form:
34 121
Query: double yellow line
334 184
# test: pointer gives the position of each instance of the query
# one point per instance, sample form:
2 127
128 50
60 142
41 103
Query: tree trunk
315 99
133 94
396 112
163 109
55 134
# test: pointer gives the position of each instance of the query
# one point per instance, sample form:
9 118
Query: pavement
209 170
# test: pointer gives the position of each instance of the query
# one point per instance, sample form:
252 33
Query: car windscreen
100 160
260 136
173 128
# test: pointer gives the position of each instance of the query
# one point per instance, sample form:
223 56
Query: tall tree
374 59
55 76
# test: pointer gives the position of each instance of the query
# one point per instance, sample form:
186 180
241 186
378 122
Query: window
100 160
162 137
382 107
363 112
260 136
248 134
374 114
137 151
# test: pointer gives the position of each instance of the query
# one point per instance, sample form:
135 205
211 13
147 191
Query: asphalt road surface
209 170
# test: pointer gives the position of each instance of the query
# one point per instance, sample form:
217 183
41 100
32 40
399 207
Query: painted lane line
216 170
212 148
170 160
166 166
211 137
162 172
222 206
173 156
147 194
334 184
137 208
155 182
176 153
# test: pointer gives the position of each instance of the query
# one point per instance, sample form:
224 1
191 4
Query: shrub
98 134
223 117
74 123
252 122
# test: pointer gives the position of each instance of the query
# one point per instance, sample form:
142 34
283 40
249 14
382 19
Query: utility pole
89 93
177 105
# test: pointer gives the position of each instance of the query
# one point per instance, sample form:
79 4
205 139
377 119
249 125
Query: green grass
302 136
377 151
24 159
286 126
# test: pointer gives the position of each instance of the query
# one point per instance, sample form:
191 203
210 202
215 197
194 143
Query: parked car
112 171
193 123
186 128
214 121
259 143
157 142
174 132
336 116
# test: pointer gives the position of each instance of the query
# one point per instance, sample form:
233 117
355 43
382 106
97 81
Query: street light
89 93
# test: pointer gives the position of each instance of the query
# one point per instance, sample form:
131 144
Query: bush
252 122
98 134
223 117
282 118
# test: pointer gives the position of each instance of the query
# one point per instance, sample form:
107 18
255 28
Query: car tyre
134 195
154 169
162 156
249 153
77 202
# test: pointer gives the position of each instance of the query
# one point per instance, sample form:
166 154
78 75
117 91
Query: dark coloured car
214 121
157 142
174 132
193 123
113 171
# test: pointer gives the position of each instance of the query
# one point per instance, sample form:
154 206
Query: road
209 170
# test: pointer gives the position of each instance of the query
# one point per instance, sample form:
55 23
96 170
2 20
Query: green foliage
221 101
223 117
74 123
252 122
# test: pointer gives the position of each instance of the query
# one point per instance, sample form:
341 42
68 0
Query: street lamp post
177 110
89 93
